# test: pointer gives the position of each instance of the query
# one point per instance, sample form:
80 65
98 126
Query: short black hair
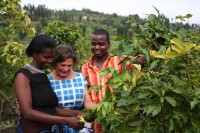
63 52
102 32
39 43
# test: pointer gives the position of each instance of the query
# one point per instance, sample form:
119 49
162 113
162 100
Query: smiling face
64 69
99 45
45 58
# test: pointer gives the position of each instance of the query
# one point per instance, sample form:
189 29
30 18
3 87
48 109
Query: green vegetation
161 97
164 95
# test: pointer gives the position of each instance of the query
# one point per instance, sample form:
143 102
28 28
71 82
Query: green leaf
105 72
144 93
146 53
154 63
176 91
156 110
171 125
105 104
171 101
193 103
135 123
156 91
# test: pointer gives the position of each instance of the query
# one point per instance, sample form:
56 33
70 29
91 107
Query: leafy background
161 97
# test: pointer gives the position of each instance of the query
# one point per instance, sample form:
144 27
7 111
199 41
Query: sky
170 8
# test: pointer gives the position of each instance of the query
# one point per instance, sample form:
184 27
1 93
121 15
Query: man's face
99 45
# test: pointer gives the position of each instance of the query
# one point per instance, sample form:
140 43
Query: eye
93 44
102 44
69 65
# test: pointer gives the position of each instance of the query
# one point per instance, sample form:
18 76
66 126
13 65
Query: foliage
14 20
115 24
70 34
62 32
82 47
164 96
14 27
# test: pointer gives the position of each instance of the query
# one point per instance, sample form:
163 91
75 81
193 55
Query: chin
46 66
98 55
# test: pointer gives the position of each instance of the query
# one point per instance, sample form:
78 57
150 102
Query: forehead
98 38
67 61
47 51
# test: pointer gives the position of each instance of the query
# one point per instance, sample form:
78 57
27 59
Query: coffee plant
163 96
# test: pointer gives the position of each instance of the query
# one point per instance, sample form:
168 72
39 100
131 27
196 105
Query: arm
67 113
23 94
87 100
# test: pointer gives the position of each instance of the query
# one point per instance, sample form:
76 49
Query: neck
98 62
34 64
34 68
101 59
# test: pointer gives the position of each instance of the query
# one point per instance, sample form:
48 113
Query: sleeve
85 81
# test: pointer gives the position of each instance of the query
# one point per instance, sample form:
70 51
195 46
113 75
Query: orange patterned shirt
93 75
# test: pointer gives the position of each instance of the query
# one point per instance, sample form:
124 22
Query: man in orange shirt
100 43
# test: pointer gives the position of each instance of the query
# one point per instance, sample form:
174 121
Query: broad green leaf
105 104
154 63
188 48
137 66
105 72
135 123
156 110
171 125
156 91
176 91
153 53
146 53
177 42
188 16
172 54
162 99
193 103
150 109
176 48
144 94
104 111
171 101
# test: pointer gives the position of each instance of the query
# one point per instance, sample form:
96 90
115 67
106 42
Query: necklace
35 69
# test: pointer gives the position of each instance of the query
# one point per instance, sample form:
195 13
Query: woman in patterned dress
69 86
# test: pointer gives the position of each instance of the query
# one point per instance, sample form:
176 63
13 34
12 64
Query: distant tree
62 32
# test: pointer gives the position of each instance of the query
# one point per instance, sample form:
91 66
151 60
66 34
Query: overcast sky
170 8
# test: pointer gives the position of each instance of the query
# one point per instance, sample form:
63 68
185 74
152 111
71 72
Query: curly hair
63 52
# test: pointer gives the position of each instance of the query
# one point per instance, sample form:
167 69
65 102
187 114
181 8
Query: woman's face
63 69
45 58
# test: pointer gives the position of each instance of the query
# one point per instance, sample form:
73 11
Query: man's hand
141 60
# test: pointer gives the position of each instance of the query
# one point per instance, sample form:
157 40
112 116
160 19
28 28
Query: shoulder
79 75
49 77
23 71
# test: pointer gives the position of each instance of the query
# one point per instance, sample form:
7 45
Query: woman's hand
74 123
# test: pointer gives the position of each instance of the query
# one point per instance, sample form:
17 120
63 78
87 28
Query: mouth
97 52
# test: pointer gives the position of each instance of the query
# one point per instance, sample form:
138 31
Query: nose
50 60
66 68
96 46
